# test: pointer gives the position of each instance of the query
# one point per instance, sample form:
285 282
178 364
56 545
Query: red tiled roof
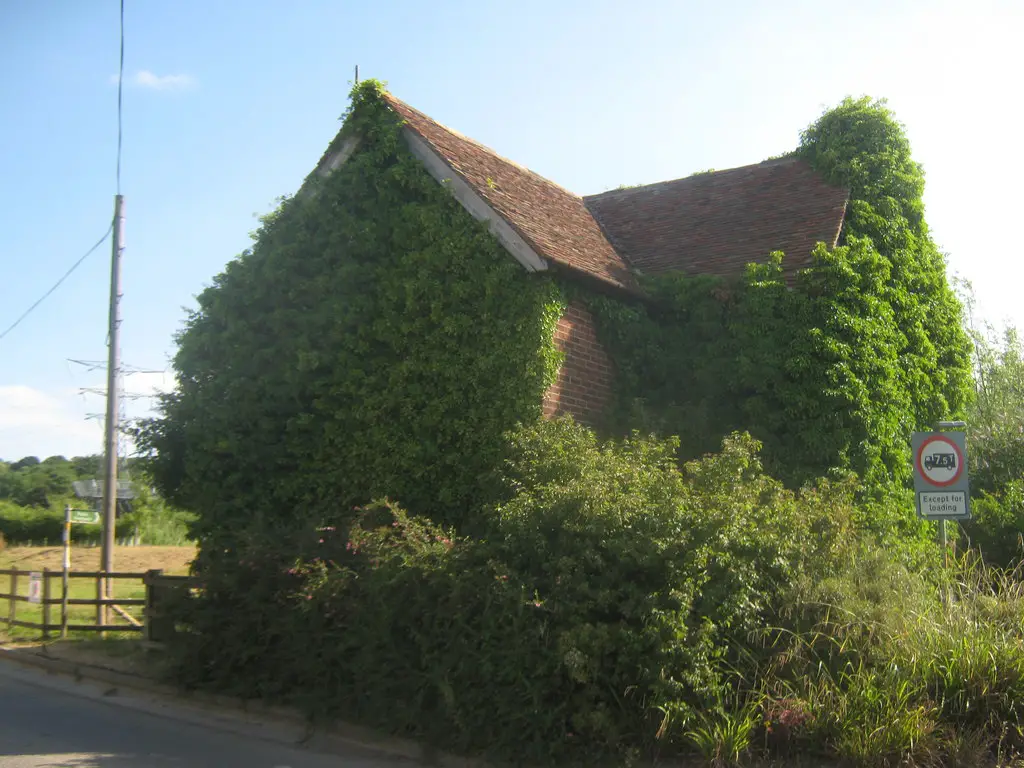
717 223
555 222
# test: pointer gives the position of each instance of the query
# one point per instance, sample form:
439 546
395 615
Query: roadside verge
272 722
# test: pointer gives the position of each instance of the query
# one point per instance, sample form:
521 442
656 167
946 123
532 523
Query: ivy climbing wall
376 339
831 369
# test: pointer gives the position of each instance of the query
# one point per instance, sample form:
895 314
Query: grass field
172 560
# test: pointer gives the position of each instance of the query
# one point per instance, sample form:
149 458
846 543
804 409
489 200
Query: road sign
940 475
948 504
91 489
35 587
85 516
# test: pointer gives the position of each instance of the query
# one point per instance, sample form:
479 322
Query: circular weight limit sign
940 461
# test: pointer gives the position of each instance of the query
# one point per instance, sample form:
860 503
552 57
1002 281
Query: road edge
333 738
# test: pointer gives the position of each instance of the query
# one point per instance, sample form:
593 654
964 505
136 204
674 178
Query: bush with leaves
996 415
996 527
597 615
995 434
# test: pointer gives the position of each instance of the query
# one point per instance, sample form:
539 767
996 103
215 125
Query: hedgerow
619 606
596 617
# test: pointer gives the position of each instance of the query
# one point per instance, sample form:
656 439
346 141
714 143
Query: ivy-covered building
713 223
421 296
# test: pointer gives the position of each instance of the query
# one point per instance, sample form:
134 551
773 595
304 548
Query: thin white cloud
37 423
146 79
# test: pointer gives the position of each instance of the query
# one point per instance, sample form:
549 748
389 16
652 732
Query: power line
120 86
56 285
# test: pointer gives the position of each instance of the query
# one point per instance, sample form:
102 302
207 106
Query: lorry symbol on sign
940 461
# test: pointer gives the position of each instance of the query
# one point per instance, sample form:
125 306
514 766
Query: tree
995 417
28 461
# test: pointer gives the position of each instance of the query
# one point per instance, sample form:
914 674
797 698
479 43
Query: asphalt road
46 720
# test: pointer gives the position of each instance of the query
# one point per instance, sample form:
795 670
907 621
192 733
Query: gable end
477 207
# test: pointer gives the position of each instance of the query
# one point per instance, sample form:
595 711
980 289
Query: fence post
46 603
12 610
150 612
100 612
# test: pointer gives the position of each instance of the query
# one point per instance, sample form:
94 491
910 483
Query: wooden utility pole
112 422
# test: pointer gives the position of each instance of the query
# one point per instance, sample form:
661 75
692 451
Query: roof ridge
783 160
480 145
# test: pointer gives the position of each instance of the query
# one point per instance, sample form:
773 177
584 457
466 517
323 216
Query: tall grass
889 667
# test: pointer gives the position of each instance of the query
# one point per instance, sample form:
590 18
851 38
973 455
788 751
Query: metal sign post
941 481
88 516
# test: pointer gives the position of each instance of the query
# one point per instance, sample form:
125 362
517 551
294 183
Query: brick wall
584 385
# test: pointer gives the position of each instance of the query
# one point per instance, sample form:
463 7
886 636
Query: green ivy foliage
861 145
374 340
834 371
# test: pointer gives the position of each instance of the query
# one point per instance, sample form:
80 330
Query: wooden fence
161 588
55 603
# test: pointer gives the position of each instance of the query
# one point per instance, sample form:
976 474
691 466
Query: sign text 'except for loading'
940 475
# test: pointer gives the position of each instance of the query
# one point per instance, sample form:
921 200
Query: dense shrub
45 526
620 605
152 520
997 524
599 613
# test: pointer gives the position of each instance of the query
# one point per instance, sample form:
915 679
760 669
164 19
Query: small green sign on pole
90 516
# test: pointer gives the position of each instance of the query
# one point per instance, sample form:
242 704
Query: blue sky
228 105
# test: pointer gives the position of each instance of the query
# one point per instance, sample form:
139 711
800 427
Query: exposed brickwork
584 385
